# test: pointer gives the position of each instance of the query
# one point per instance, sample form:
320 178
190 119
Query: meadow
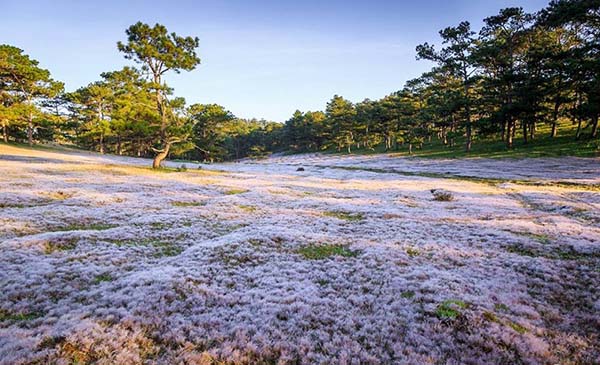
302 259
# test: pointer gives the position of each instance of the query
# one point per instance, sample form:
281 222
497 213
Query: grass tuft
63 244
18 317
442 195
320 252
517 327
408 294
450 309
235 191
412 252
347 216
102 278
187 204
86 227
247 208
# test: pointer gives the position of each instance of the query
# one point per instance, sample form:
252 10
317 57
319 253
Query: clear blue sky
260 59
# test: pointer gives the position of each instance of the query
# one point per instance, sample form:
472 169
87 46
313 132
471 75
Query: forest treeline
520 71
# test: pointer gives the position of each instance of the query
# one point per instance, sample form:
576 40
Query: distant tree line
520 71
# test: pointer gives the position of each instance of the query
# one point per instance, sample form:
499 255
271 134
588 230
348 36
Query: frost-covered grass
350 261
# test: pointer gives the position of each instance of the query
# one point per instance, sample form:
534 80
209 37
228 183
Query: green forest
521 80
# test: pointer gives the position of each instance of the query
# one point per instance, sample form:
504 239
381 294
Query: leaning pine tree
158 52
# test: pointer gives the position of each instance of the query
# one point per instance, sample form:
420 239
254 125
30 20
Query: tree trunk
4 131
594 126
410 148
468 117
525 136
509 134
514 129
555 118
119 145
30 130
102 143
579 118
469 137
162 154
161 108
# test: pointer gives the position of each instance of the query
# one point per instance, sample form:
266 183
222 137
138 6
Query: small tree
341 117
209 122
159 52
95 108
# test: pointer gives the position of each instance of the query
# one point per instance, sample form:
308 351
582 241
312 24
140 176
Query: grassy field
351 260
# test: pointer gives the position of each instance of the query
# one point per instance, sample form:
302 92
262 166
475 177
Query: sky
260 59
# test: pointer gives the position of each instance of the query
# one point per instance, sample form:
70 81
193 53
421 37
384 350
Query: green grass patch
187 204
102 278
12 205
524 251
63 244
489 316
412 252
161 248
347 216
86 227
247 208
517 327
541 238
235 191
562 254
166 249
161 225
18 317
450 309
501 307
409 294
320 252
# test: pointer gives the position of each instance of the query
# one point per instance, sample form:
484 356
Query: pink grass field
351 261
